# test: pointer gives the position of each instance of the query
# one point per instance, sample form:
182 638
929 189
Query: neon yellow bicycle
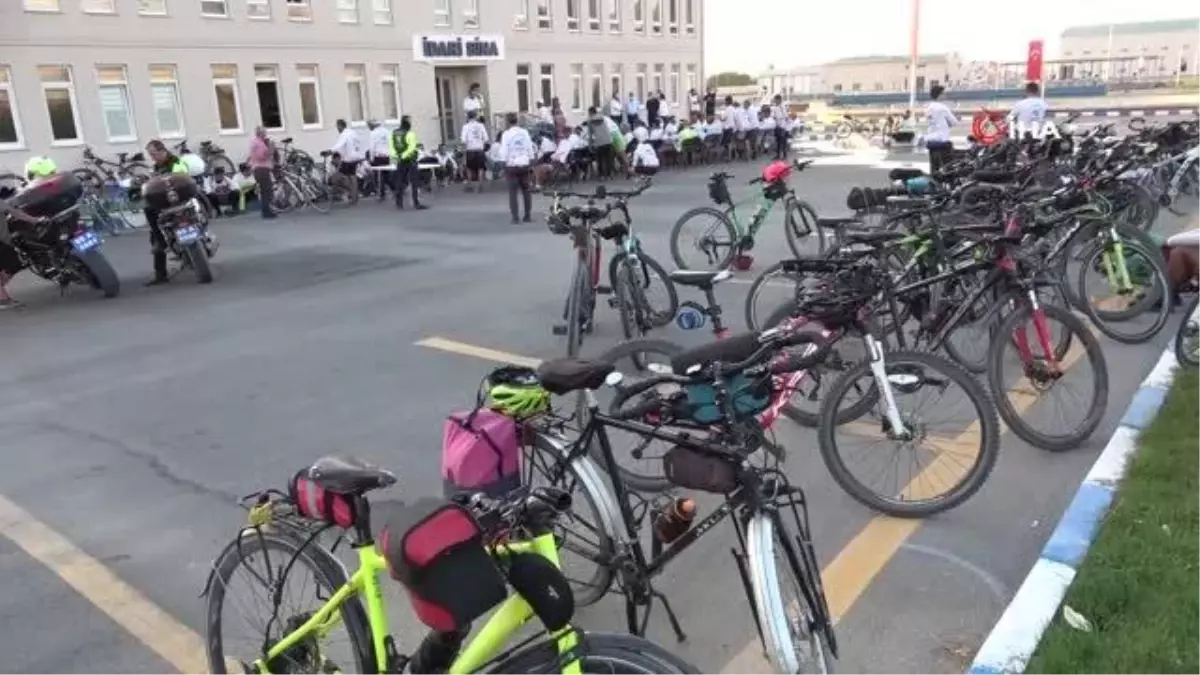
498 544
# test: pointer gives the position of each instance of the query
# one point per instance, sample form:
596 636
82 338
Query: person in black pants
937 138
517 147
405 147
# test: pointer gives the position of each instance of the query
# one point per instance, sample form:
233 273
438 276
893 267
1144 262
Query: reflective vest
409 150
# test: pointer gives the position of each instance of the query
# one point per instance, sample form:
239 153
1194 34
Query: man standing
652 104
779 114
600 131
632 108
165 163
350 150
1030 112
474 139
262 165
693 105
516 146
937 135
614 107
474 101
404 148
710 103
380 153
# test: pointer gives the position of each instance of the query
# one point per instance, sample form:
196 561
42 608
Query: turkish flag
1033 63
989 127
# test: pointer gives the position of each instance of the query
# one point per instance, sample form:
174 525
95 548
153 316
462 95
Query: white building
113 74
1144 49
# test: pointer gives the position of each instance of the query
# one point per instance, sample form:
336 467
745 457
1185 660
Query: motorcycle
183 221
60 248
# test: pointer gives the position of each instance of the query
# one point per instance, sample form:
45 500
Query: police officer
404 148
165 163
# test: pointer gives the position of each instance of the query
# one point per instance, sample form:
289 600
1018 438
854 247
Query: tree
730 79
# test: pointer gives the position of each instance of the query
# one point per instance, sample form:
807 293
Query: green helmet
516 392
40 167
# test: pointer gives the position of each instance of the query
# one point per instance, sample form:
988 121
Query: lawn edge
1019 630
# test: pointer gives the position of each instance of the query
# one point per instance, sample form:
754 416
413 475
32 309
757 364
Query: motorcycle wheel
103 276
198 258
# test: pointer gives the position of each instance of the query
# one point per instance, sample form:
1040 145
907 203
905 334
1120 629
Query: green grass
1138 585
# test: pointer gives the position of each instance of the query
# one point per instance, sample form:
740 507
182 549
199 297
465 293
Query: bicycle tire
1095 355
989 434
606 652
764 539
750 309
627 309
1083 240
575 308
658 317
677 232
794 208
1104 320
323 567
1188 327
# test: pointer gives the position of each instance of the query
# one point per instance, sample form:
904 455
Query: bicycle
510 543
727 238
213 155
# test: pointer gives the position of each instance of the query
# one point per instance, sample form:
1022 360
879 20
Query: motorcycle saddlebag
163 192
50 196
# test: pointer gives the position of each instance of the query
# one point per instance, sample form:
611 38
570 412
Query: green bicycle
456 561
720 237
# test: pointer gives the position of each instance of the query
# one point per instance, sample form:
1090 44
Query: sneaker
158 281
526 219
420 207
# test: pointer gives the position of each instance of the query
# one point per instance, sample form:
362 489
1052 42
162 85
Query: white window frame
381 12
390 74
527 78
176 98
639 83
146 8
691 79
278 94
545 22
673 23
6 87
656 24
213 15
95 7
673 81
616 76
521 16
639 16
123 85
232 82
315 80
594 20
577 87
299 11
470 13
364 99
347 11
42 6
596 86
543 78
441 13
258 10
69 86
689 16
657 71
614 16
573 15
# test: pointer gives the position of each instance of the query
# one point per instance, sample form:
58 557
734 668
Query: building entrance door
447 104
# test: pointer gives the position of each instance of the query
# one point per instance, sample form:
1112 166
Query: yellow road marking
174 642
484 353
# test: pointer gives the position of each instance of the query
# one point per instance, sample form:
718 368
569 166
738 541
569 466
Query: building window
10 122
229 106
691 78
614 80
59 92
689 16
270 108
383 12
259 10
218 9
837 88
390 84
597 86
521 18
115 107
640 82
673 17
673 90
41 6
856 87
576 87
523 87
614 16
658 78
152 7
356 90
639 17
441 12
164 96
593 14
347 11
299 10
547 83
920 83
656 17
572 14
470 13
310 96
878 86
98 6
545 19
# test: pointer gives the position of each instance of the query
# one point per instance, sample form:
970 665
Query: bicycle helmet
516 392
40 167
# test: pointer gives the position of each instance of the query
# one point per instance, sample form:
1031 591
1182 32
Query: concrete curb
1016 635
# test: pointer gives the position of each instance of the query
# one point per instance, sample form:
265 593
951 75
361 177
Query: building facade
1125 50
888 73
113 74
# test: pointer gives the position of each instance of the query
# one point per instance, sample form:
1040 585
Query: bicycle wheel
627 309
793 633
1038 379
576 313
1128 314
716 243
319 200
976 436
772 288
661 306
1187 336
220 160
799 223
282 556
602 653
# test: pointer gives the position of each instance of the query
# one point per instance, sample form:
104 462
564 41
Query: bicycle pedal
603 290
559 329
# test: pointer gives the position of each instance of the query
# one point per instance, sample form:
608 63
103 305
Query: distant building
868 74
793 82
1129 50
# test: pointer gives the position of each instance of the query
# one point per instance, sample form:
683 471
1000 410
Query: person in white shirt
544 164
1030 112
615 109
664 108
750 129
474 138
545 114
474 101
221 191
645 160
656 134
729 123
562 153
937 135
632 108
519 154
671 132
379 154
349 150
693 103
779 120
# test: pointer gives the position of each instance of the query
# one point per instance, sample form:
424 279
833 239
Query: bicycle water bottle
671 522
759 212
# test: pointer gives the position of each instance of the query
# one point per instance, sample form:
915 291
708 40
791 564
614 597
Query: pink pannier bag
480 453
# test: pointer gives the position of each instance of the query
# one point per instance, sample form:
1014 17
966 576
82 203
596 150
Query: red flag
1033 63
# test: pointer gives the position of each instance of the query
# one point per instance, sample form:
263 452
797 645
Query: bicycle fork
1042 330
1114 265
879 371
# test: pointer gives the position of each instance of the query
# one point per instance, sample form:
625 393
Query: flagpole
1108 56
912 65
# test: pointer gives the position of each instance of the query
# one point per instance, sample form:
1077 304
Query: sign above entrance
458 47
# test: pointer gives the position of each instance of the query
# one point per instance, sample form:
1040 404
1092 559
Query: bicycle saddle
562 376
905 174
702 279
122 157
286 140
349 475
326 153
206 144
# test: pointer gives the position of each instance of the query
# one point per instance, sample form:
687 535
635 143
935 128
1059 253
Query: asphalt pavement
132 425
